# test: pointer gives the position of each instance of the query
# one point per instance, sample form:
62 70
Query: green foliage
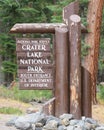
9 67
57 9
21 95
83 11
102 39
12 12
84 49
10 110
34 11
7 46
7 52
101 91
101 54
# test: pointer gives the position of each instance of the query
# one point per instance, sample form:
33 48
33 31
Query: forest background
35 11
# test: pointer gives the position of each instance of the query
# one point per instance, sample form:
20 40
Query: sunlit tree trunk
94 18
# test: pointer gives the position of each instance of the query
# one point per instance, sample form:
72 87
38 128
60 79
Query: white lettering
34 54
36 69
33 61
44 75
23 80
28 47
39 85
40 80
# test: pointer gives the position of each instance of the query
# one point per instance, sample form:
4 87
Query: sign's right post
74 26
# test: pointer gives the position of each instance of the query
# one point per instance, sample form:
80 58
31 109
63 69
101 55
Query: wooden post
72 8
48 107
86 93
61 87
75 65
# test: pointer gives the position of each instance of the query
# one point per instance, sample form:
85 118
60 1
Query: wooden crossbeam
40 28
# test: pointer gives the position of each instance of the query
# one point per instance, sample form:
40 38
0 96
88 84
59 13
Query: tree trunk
94 18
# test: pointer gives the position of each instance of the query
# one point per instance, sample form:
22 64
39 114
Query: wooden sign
35 63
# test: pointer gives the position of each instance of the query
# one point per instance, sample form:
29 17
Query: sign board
35 63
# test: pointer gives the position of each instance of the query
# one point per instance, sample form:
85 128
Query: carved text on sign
34 58
27 44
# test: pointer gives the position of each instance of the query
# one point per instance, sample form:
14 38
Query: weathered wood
94 18
84 29
44 55
33 80
35 67
39 28
75 65
34 86
86 93
61 86
36 27
72 8
31 44
48 107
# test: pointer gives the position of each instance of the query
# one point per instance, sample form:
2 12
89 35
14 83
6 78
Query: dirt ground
4 118
97 111
14 104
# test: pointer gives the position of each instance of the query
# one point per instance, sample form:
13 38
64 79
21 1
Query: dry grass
14 104
98 112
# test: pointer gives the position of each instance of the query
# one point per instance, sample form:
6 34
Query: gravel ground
3 120
97 112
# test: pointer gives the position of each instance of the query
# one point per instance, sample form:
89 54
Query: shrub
101 91
24 95
10 110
